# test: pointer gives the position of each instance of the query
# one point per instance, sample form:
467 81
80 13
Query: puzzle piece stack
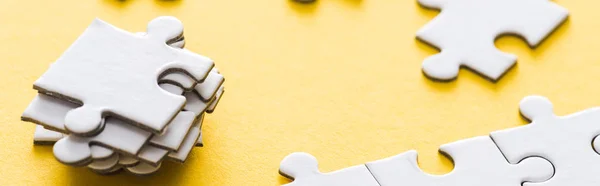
122 101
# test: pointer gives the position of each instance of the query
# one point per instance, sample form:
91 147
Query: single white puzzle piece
477 162
96 72
566 141
465 32
303 169
44 136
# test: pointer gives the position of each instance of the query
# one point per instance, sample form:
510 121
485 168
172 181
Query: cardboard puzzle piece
566 141
127 161
44 136
104 165
143 169
152 155
213 105
179 129
48 111
117 134
303 169
477 162
190 141
96 72
172 138
465 32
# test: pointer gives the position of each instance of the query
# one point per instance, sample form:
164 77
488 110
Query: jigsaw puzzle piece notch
566 141
187 62
487 61
478 151
477 161
535 24
303 169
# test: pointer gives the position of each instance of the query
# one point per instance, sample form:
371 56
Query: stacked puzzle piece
118 100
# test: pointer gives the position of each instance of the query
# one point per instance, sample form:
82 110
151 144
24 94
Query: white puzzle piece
143 169
96 71
200 120
117 134
152 155
105 164
44 136
213 104
127 161
48 112
303 169
566 141
208 89
465 32
172 138
477 162
100 152
189 143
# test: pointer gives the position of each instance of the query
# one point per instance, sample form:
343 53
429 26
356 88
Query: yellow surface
340 79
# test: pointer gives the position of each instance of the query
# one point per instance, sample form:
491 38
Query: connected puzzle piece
477 162
303 169
566 141
117 134
465 31
97 69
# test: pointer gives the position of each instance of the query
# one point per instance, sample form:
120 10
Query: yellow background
340 79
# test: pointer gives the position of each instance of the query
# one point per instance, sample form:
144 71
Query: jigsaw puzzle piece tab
96 72
303 169
566 141
477 162
104 165
127 161
143 169
117 134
